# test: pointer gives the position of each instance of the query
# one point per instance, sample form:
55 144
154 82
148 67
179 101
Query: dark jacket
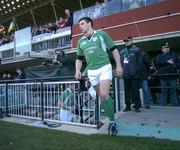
132 69
178 65
166 68
70 20
21 76
146 62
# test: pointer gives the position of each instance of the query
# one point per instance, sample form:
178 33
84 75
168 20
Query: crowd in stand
11 76
5 36
51 27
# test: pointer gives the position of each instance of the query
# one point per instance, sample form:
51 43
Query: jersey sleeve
72 100
79 49
107 39
62 96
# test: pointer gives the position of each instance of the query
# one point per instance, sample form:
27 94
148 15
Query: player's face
72 86
165 50
84 26
128 42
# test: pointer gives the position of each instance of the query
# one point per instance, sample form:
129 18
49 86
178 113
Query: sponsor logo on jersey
94 39
83 43
91 49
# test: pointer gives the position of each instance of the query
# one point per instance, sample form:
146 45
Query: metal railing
162 94
38 99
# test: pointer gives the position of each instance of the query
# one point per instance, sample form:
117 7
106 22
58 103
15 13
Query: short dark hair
128 38
165 46
87 19
69 84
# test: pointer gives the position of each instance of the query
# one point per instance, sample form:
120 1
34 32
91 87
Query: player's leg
63 115
106 99
101 80
108 105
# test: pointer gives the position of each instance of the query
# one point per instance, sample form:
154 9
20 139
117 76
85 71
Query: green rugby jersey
95 49
67 97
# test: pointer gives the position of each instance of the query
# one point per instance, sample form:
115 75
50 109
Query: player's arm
78 66
79 62
117 58
61 100
112 47
60 104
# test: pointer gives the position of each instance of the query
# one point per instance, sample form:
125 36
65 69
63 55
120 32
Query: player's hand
170 61
72 109
78 75
119 71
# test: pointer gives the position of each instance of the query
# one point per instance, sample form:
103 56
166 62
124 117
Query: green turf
20 137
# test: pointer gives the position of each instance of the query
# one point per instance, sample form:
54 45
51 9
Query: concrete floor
159 122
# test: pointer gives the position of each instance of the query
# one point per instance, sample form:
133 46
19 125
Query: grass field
21 137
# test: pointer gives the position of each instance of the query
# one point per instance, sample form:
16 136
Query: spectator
52 27
4 76
61 23
43 29
2 29
20 74
66 103
9 76
5 40
131 62
69 17
37 31
167 62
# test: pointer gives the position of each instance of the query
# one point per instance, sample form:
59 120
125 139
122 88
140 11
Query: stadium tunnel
151 46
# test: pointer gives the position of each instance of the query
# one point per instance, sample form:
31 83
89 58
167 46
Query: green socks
108 106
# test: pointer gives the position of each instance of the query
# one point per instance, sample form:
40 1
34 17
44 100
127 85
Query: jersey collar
84 37
69 90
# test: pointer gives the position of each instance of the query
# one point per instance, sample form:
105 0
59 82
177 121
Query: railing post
97 108
117 85
114 92
81 106
7 110
42 102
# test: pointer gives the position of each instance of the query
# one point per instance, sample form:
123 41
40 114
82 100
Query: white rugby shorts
66 115
103 73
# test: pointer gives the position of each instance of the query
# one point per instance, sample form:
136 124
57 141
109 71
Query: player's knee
103 96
